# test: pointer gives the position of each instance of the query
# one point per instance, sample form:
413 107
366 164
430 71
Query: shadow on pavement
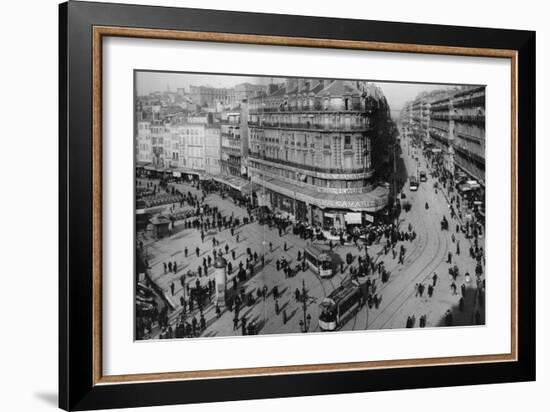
466 316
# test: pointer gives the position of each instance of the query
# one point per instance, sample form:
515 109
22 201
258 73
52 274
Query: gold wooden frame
102 31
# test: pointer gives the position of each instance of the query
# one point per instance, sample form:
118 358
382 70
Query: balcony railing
234 136
470 101
440 115
313 126
469 137
308 108
469 118
254 155
470 155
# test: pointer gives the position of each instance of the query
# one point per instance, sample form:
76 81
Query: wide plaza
399 299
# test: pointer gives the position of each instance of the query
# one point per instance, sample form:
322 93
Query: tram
340 305
319 261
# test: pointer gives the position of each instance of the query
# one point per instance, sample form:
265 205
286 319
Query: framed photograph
257 206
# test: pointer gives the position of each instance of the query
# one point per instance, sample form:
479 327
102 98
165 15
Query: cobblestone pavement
424 256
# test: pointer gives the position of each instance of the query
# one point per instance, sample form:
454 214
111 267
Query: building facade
247 91
231 144
441 130
469 131
210 96
457 127
189 142
310 150
212 149
144 149
158 134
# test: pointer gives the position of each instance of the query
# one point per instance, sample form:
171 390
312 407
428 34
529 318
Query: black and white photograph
283 205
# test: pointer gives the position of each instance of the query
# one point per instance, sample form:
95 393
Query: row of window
303 178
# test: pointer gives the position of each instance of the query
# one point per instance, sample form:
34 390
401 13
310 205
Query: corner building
310 150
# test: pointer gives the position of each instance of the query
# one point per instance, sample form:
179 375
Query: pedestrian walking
478 317
448 318
422 322
430 290
172 288
420 289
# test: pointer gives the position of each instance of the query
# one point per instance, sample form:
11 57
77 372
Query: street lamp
304 327
306 321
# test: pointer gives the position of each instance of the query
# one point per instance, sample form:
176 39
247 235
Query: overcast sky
397 94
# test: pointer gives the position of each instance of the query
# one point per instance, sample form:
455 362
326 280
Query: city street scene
270 205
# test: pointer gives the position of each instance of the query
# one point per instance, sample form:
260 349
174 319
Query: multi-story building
212 149
441 129
158 132
310 148
188 139
247 91
468 114
144 148
457 127
425 120
416 110
172 148
420 125
406 120
231 145
210 96
200 118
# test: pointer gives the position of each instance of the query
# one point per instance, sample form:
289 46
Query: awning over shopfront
372 201
187 171
234 182
469 185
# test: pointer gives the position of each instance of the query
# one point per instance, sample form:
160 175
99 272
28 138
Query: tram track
420 248
421 276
